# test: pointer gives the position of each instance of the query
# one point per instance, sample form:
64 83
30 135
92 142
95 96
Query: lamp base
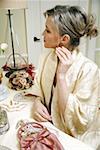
11 70
21 64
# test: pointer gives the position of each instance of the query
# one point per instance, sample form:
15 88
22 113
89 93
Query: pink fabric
41 139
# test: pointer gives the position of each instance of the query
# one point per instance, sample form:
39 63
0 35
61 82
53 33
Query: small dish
3 92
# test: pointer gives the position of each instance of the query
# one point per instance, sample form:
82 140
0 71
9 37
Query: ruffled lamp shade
13 4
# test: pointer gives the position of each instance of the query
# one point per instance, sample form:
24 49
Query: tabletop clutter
34 136
30 135
22 78
4 123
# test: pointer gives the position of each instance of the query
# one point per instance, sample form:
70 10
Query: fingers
64 52
61 53
39 118
64 55
62 58
44 112
40 112
46 115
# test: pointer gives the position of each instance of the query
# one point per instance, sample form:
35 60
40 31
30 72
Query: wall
33 14
97 12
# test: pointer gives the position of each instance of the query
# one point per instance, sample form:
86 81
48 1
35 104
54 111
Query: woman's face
51 34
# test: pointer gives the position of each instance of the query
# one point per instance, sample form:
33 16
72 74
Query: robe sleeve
83 101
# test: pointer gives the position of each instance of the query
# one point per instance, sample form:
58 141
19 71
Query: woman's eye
47 30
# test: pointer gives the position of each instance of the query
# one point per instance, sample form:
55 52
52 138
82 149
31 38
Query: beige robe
82 105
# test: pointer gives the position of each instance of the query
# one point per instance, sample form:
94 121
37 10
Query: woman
67 85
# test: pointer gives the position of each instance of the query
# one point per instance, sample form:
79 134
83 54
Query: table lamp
10 5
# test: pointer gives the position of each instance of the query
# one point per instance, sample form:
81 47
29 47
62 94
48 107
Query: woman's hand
40 112
65 58
65 61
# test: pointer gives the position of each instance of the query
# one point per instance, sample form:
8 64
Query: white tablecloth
9 139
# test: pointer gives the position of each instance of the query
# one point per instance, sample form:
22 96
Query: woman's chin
49 46
46 46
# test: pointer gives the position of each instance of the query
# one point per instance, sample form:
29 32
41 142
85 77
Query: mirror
19 33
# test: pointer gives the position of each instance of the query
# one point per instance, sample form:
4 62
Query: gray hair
74 21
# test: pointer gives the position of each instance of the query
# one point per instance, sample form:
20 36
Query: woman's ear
65 39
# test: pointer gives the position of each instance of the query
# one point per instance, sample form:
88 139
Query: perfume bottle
4 124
